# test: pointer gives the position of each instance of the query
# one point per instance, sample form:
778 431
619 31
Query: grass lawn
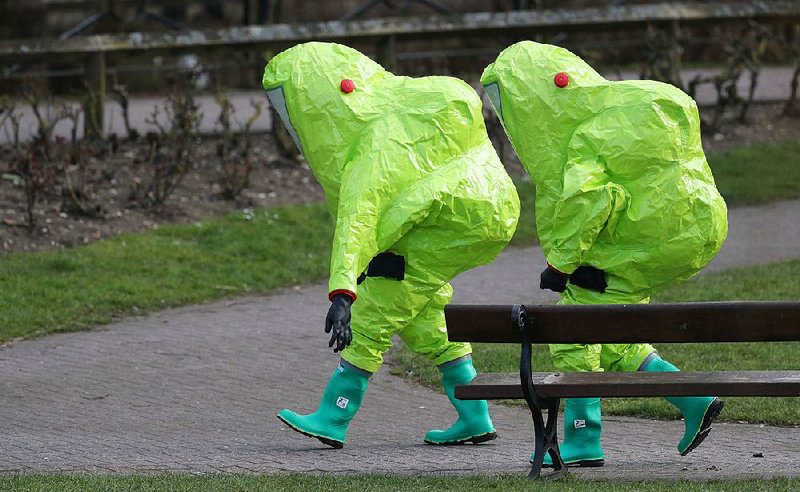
72 289
758 173
740 284
365 483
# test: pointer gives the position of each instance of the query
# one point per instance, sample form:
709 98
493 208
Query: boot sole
324 440
474 440
713 412
580 463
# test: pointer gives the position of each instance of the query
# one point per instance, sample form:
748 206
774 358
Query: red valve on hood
561 79
348 86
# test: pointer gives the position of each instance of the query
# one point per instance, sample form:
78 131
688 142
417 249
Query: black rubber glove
590 278
337 322
553 279
387 265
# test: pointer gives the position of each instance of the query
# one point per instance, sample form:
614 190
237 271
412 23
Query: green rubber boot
474 424
698 411
338 406
582 428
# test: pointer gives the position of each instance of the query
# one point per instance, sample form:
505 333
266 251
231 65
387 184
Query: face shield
278 101
493 91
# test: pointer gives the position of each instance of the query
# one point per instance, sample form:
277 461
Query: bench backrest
627 323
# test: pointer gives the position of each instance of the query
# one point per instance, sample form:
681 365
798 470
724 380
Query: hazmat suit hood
548 113
621 180
305 85
540 117
391 153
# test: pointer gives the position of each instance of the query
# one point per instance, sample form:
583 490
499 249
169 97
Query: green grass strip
758 173
777 281
366 483
131 274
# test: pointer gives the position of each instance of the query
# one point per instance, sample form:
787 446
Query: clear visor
278 101
493 91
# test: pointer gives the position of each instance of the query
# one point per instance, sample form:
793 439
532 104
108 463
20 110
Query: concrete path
196 389
774 85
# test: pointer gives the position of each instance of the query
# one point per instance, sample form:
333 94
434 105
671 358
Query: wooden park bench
704 322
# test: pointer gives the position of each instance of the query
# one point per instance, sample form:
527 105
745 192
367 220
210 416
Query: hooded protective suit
407 168
622 183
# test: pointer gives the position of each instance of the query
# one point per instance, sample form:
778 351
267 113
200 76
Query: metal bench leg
546 442
551 439
546 435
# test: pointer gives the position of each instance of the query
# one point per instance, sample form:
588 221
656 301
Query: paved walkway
196 389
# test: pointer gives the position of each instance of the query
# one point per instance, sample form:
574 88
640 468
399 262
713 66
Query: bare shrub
662 55
235 151
123 98
77 194
7 111
744 50
46 112
170 148
35 164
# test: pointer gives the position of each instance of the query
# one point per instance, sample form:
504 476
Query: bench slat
631 323
494 386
